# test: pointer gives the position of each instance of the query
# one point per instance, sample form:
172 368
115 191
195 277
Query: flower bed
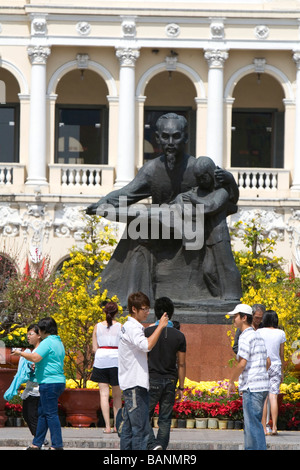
209 399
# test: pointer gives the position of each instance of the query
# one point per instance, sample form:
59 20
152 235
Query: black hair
162 305
249 317
270 319
34 327
110 309
48 325
137 300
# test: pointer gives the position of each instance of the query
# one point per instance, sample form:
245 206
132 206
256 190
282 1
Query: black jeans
30 412
162 391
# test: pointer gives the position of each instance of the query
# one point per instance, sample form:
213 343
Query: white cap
241 308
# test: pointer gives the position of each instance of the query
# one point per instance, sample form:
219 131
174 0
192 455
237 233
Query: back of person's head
162 305
137 300
110 309
48 325
270 319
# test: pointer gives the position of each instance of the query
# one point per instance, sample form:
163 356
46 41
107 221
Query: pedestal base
208 345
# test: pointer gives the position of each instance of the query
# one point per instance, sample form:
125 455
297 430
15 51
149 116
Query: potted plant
183 411
13 411
25 299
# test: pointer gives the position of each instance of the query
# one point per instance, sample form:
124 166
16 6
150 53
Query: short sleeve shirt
252 348
51 368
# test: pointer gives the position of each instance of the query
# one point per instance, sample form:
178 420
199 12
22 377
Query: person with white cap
251 371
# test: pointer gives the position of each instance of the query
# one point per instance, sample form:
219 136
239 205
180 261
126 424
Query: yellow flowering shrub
80 299
265 282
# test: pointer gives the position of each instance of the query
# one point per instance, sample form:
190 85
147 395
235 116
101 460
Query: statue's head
204 170
172 135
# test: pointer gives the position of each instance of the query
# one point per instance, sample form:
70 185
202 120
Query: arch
185 69
19 76
58 265
98 68
270 69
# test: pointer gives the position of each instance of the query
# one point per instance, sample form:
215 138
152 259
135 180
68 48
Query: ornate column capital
38 55
127 56
215 58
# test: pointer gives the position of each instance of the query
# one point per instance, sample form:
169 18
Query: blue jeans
48 415
254 436
135 429
163 392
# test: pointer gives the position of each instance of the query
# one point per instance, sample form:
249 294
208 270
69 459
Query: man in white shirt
253 377
133 372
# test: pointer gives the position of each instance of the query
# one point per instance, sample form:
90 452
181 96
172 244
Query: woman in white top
106 336
274 340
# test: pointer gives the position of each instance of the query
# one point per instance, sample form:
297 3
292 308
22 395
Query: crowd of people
146 367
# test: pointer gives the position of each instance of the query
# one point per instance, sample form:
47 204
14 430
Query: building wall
197 54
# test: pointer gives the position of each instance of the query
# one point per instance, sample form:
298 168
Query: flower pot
81 406
201 423
190 423
10 359
181 423
6 377
174 423
212 423
18 421
230 424
223 423
10 422
238 424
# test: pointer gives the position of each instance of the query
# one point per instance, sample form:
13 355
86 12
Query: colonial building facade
83 83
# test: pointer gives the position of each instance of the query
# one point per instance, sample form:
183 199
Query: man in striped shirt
251 371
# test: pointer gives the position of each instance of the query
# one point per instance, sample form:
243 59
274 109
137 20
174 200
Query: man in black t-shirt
166 362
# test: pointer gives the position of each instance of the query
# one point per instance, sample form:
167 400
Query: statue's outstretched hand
92 209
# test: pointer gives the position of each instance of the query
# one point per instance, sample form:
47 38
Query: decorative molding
127 56
38 55
128 28
217 30
293 230
259 65
171 63
36 225
172 30
39 25
261 31
216 58
272 222
82 61
9 221
83 28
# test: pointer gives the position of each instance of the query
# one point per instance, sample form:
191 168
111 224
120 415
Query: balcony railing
80 179
262 180
98 180
12 177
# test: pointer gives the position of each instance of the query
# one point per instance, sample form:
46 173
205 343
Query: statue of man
159 267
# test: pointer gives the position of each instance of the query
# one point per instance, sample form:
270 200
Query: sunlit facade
81 87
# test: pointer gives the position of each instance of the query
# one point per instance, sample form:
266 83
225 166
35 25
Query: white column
296 175
126 134
215 125
37 130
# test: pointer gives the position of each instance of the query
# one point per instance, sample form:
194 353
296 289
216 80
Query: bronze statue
164 267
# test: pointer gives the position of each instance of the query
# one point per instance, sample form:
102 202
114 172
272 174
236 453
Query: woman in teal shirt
49 371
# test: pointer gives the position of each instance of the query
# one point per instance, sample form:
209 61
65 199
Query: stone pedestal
208 344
